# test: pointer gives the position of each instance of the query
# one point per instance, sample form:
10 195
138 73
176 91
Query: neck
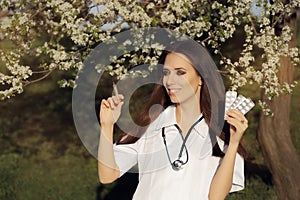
189 110
187 113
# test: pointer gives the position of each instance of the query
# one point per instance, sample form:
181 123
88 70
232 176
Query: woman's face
180 78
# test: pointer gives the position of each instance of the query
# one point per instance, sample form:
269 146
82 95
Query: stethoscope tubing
177 164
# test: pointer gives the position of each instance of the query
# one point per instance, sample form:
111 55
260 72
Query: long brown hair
160 96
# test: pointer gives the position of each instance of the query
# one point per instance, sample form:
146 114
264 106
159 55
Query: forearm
107 168
222 181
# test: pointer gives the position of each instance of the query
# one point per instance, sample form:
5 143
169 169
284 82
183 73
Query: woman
172 144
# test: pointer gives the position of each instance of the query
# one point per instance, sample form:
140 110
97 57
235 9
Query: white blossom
210 23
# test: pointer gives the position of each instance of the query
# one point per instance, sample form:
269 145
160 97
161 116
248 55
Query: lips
173 91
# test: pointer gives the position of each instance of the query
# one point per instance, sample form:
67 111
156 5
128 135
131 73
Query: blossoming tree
58 35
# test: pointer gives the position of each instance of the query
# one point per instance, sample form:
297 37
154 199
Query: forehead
177 60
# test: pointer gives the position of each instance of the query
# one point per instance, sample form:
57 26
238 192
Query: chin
174 100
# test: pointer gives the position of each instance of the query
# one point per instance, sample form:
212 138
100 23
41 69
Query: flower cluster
263 35
59 35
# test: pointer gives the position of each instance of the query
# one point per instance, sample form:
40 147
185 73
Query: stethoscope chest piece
177 165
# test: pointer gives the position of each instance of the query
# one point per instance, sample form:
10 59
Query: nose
169 79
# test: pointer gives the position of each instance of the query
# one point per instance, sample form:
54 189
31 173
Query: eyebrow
177 68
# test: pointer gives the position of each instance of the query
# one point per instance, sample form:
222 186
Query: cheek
164 81
191 81
195 82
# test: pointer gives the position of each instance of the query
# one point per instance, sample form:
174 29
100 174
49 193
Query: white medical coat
157 179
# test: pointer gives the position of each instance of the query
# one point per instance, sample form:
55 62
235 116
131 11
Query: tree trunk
275 139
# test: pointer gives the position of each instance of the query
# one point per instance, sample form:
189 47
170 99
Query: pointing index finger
116 91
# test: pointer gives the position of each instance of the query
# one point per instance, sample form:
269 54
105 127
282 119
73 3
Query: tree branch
3 14
253 26
39 79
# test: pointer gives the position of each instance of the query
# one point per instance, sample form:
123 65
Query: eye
180 72
166 72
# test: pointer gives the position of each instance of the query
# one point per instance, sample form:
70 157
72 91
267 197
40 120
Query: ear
200 81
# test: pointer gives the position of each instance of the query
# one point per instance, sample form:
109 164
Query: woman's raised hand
110 110
238 124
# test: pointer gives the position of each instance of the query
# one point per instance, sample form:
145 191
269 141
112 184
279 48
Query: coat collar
167 118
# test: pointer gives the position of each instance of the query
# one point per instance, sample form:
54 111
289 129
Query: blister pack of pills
235 101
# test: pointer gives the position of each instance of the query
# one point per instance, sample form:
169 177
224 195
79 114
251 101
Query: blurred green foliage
41 156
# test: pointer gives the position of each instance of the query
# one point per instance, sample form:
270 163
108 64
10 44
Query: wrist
107 129
107 124
234 145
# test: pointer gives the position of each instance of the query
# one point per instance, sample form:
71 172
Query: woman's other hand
110 110
238 125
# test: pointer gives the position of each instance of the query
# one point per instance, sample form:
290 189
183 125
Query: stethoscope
178 163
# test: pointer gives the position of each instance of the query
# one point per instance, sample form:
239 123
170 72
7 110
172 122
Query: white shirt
157 179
